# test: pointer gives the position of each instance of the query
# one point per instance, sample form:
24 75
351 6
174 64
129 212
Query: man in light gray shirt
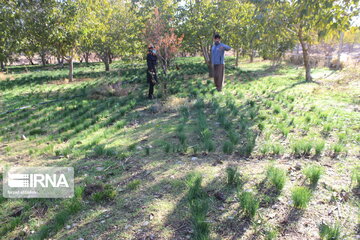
217 59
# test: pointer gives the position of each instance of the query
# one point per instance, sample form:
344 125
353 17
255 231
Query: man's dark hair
217 36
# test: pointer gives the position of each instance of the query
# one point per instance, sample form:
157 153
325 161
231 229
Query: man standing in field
151 60
217 59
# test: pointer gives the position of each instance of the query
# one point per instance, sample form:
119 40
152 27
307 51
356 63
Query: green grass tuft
228 147
313 173
301 197
276 177
302 147
328 232
248 204
233 177
134 184
108 194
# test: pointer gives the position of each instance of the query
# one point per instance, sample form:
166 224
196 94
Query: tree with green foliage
10 28
312 19
112 29
38 24
68 30
239 26
198 21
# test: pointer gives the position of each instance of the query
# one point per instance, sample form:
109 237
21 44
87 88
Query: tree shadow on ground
292 217
270 194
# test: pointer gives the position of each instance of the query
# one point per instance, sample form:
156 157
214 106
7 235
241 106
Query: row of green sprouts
199 200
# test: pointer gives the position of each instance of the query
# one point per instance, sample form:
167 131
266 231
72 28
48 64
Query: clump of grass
323 115
328 232
193 182
233 177
227 125
209 145
284 130
338 148
182 138
248 204
291 98
120 124
268 104
167 147
199 209
249 145
327 128
276 109
184 111
302 147
134 184
228 147
7 149
247 149
267 135
301 196
319 147
265 149
313 173
242 126
108 194
342 137
233 137
261 126
99 150
276 177
252 114
271 234
221 115
199 205
199 104
276 148
251 103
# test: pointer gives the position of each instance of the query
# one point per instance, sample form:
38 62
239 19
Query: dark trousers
219 76
151 77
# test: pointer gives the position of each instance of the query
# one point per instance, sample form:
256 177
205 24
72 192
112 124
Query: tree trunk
105 59
86 57
237 58
110 58
252 55
307 66
207 57
340 45
2 65
71 69
30 60
43 59
60 61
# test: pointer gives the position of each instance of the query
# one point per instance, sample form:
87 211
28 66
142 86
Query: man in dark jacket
151 59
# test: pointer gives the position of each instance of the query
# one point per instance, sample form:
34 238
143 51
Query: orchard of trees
73 29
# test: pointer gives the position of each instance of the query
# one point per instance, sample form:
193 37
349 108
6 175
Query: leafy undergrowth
251 147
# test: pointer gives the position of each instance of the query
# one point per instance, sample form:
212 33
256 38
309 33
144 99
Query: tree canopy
72 29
